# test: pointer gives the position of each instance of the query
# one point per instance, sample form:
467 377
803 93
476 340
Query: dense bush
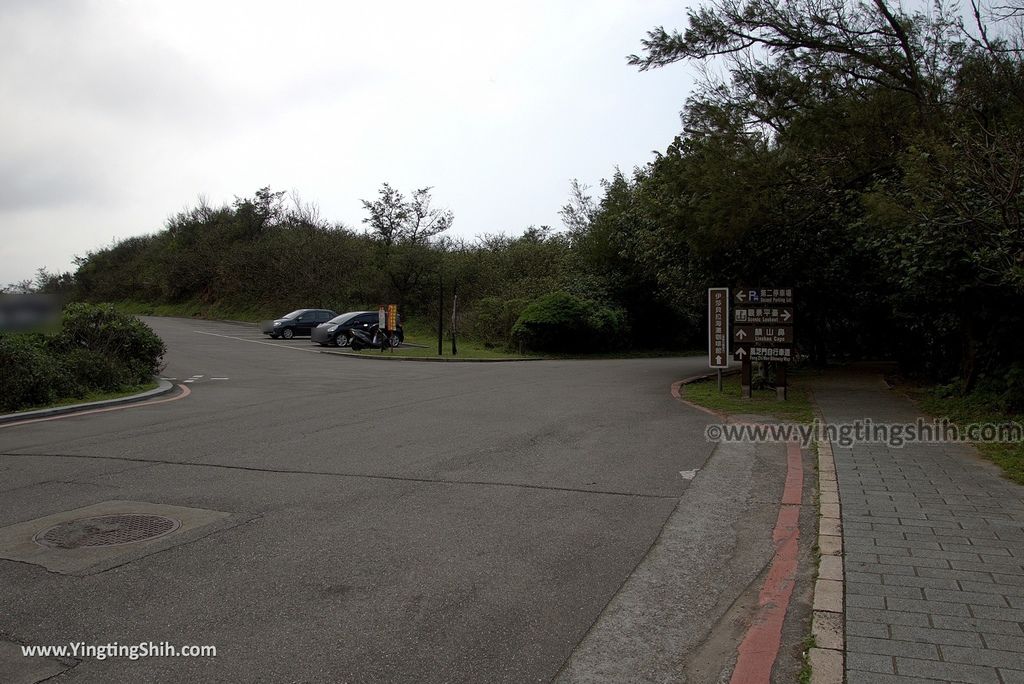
561 322
103 338
29 374
96 350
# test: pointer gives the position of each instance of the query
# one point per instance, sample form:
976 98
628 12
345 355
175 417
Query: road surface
390 521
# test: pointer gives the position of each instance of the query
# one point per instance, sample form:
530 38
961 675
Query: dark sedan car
336 331
298 322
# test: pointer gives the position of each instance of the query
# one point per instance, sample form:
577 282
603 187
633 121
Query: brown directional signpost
763 331
718 330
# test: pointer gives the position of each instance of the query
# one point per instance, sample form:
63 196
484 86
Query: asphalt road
397 521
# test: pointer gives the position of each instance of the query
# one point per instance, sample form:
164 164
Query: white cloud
123 112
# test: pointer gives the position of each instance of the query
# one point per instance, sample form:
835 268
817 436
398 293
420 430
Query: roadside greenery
980 407
796 409
96 350
868 155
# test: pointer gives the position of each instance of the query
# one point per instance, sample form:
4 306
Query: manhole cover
106 530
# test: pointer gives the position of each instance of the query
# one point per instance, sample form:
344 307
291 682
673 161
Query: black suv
298 322
335 331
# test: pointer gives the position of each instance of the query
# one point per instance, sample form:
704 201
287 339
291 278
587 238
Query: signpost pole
455 307
719 380
440 314
781 384
745 373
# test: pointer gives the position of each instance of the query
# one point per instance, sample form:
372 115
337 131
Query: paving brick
1003 642
878 568
864 601
937 636
996 613
956 575
826 666
973 598
984 656
956 672
867 629
932 607
915 562
827 630
1012 676
895 591
979 566
866 577
830 567
1012 580
889 617
984 626
908 649
914 581
993 588
870 662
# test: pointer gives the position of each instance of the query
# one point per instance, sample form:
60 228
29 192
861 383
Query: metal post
455 306
745 373
781 383
440 314
719 380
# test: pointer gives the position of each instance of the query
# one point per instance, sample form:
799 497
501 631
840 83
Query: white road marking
689 474
269 344
220 378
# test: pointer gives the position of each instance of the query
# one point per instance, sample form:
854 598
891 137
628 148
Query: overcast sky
117 114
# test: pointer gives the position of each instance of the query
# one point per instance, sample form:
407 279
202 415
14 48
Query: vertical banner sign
718 327
382 317
392 317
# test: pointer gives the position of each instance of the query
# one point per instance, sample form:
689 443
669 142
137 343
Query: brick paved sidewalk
933 551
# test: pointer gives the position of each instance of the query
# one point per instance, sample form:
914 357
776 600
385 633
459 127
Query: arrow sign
741 352
741 296
756 314
741 334
718 359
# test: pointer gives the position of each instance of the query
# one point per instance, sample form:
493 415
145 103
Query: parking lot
383 521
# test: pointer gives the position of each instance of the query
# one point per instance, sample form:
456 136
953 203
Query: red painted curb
760 646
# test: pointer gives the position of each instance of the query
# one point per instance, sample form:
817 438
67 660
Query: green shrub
29 375
561 322
126 347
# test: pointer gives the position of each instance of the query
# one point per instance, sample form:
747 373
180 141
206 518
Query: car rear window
343 318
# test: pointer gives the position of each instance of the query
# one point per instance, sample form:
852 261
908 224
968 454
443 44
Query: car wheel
394 340
341 340
287 333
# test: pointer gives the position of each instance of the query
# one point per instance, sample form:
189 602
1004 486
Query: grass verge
797 407
963 410
94 396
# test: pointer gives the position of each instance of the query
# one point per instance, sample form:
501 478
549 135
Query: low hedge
97 349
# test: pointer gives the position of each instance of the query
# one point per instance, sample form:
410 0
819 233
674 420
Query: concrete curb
163 387
827 623
427 359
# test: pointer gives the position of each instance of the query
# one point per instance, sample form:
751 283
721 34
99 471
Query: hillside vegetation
866 155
